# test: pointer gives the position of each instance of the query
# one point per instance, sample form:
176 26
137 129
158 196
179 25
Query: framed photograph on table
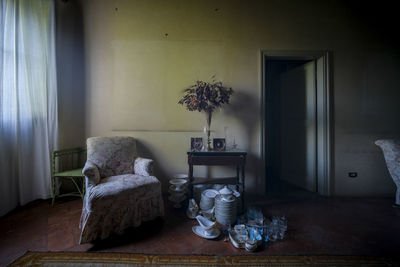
196 143
219 144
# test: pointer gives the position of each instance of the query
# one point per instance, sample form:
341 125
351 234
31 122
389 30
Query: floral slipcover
391 152
120 189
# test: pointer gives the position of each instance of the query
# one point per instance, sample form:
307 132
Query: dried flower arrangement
205 96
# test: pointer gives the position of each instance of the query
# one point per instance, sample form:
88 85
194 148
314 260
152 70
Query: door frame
323 113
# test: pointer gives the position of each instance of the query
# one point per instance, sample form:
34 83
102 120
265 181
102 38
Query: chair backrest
112 155
68 159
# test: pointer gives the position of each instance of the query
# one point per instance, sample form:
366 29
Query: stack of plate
207 199
197 190
225 210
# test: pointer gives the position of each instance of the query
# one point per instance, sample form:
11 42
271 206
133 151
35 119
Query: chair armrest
91 171
143 167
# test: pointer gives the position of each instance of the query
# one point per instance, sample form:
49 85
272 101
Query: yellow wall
140 55
70 74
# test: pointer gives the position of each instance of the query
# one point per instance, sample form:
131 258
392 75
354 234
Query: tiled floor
316 226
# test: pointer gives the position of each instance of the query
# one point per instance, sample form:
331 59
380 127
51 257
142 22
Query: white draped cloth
120 189
28 100
391 152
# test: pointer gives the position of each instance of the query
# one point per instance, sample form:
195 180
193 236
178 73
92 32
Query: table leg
191 180
243 187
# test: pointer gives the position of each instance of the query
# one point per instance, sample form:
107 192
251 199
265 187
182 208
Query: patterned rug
121 259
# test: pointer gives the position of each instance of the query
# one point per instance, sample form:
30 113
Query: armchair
391 152
120 189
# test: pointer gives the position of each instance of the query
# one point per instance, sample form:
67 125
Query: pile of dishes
225 207
239 238
218 187
207 203
206 228
207 199
177 191
198 190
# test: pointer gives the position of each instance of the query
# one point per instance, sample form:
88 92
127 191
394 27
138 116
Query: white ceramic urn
226 193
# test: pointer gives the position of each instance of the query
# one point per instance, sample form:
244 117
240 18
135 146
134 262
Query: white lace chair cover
120 189
391 152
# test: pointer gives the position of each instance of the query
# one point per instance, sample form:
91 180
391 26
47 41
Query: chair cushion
124 186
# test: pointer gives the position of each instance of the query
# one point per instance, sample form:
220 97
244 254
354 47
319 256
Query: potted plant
206 97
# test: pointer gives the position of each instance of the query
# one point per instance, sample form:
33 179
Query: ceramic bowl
180 176
178 183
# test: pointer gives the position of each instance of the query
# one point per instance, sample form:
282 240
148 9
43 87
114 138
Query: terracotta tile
316 225
59 241
60 236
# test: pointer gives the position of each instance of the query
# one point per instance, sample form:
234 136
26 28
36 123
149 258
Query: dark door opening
290 127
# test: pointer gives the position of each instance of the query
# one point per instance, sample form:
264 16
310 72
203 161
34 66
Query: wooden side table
218 158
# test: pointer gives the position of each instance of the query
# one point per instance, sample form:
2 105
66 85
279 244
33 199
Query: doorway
296 123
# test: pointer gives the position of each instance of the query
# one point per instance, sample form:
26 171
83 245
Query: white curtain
28 100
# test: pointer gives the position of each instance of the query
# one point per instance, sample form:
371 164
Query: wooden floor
316 226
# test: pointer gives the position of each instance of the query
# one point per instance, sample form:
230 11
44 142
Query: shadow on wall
70 73
245 108
161 174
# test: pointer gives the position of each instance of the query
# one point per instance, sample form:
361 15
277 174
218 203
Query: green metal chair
67 164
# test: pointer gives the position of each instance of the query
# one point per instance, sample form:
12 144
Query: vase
208 130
